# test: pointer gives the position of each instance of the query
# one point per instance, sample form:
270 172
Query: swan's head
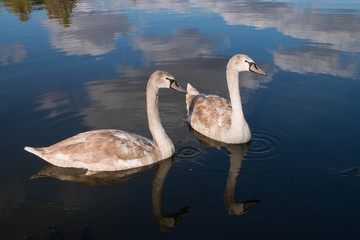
242 62
164 79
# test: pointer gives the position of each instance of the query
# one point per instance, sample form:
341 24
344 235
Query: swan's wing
101 150
220 103
208 113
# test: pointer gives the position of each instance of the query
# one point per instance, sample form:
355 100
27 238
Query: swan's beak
254 68
174 85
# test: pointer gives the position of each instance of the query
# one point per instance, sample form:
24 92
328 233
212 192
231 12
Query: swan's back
207 114
100 150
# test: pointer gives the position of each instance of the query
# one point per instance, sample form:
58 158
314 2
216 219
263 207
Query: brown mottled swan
113 150
216 117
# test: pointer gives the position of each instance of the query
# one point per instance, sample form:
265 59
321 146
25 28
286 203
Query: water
72 66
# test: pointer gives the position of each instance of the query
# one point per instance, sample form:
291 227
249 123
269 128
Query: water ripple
264 147
188 152
266 151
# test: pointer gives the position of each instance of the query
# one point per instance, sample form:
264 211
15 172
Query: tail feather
37 151
191 90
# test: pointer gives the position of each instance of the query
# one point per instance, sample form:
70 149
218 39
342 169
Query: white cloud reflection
95 26
182 44
55 102
314 60
339 31
12 53
88 34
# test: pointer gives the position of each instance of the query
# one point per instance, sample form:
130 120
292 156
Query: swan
216 117
113 150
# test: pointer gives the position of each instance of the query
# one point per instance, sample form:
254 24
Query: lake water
72 66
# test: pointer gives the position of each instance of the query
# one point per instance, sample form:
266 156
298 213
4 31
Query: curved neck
237 115
161 139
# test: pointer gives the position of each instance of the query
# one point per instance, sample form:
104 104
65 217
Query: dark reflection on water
78 175
71 66
237 154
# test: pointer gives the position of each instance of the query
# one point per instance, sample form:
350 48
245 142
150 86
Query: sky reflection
314 60
181 44
12 54
336 31
90 34
329 26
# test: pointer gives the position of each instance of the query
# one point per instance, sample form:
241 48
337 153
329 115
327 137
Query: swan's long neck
162 141
237 116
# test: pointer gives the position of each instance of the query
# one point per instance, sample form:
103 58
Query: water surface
72 66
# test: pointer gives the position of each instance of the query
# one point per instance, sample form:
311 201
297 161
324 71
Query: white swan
113 150
214 116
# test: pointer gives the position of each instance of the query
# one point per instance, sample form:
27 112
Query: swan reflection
237 154
78 175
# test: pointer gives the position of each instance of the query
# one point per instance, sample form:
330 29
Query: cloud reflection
89 34
339 31
57 102
313 60
332 29
117 103
13 53
182 44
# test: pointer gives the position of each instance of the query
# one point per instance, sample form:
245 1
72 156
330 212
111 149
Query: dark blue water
72 66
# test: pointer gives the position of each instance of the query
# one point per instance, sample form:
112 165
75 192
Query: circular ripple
264 147
188 152
266 152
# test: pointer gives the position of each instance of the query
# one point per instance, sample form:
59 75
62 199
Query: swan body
114 150
216 117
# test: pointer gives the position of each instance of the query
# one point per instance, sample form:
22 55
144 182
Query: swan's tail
37 151
191 90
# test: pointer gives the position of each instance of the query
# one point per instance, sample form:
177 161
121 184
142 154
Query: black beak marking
251 63
172 81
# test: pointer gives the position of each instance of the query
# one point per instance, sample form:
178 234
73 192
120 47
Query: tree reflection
78 175
56 9
237 154
22 8
60 10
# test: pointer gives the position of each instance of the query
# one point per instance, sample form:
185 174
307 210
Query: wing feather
105 149
208 113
